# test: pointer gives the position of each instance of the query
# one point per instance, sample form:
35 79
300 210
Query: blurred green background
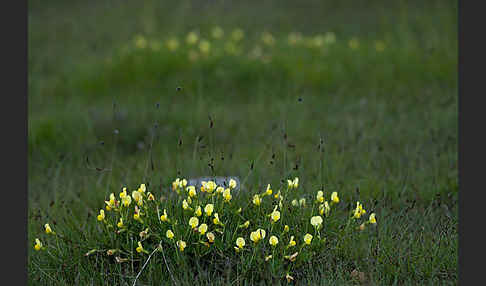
385 108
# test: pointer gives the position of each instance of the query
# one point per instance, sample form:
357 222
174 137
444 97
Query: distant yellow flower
142 188
176 184
140 42
292 241
289 278
216 220
126 200
210 237
320 196
217 32
380 46
210 186
192 38
307 238
268 39
257 235
291 257
124 193
38 244
204 46
193 222
232 184
111 203
273 240
268 191
189 200
137 214
198 211
359 210
237 34
172 44
181 244
101 216
353 43
275 215
277 195
268 257
316 221
245 225
169 234
208 209
48 229
302 202
324 209
219 190
137 196
203 228
372 218
164 217
256 200
143 233
120 223
334 197
192 191
240 242
140 247
150 196
295 203
185 205
227 195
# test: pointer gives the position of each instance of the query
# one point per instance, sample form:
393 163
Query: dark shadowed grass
388 124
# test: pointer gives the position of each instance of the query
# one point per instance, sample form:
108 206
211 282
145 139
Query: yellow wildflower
256 200
120 223
208 209
137 196
289 278
210 186
140 42
111 203
308 238
203 228
198 211
101 216
210 237
316 221
124 193
268 257
172 44
181 244
126 200
143 233
275 215
48 229
185 205
334 197
169 234
150 196
268 39
192 38
240 242
192 191
372 218
359 210
292 241
268 191
257 235
327 208
232 184
291 257
142 188
227 195
38 244
219 190
216 220
295 203
140 247
176 184
273 240
164 217
193 222
320 196
245 225
204 46
286 228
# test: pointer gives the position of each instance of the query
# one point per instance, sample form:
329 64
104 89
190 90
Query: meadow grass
379 127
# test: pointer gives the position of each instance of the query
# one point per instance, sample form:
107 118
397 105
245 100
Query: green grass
388 121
